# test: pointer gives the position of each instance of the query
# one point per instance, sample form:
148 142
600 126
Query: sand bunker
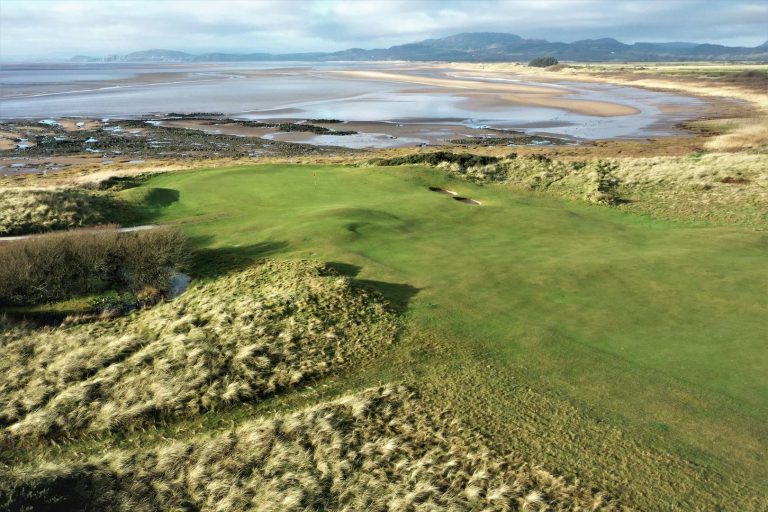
467 200
455 196
443 191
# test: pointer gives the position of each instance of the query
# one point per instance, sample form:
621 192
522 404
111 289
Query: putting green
653 328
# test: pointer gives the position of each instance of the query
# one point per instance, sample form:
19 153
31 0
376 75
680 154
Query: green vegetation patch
630 321
543 62
239 338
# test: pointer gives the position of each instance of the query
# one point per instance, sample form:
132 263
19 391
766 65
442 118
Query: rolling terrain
562 327
607 347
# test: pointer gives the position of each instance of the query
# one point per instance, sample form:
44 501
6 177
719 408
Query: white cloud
61 28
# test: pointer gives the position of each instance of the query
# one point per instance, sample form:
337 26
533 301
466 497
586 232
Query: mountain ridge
476 47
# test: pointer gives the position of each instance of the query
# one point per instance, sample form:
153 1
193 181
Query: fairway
626 350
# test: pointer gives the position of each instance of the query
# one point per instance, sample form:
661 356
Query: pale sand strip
623 74
518 94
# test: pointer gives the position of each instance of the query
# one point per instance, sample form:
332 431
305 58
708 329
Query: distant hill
479 47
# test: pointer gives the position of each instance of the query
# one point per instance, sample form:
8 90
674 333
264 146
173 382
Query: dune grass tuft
240 338
377 450
37 210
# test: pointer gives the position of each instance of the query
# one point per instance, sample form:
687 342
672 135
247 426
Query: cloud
61 28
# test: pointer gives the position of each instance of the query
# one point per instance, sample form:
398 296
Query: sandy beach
511 93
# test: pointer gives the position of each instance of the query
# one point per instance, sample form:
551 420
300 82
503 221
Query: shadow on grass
399 295
214 262
140 205
160 197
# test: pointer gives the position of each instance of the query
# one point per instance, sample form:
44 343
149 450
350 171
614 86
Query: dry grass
36 210
747 134
240 338
378 450
707 168
723 188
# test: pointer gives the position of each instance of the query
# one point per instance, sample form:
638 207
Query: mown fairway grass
622 350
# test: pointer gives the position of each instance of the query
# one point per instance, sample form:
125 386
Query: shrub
543 62
59 265
463 160
603 185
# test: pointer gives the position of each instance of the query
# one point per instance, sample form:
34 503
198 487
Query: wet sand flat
517 94
354 92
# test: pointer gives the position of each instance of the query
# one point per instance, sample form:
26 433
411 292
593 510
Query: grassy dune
37 210
642 331
241 338
711 187
378 450
613 349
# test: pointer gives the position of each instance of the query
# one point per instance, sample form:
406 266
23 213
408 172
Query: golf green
651 327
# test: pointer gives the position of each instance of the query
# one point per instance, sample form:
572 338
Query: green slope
627 351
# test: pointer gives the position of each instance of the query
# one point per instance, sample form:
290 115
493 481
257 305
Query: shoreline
516 94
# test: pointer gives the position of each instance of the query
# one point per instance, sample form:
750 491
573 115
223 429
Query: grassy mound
24 211
593 181
621 322
713 187
377 450
240 338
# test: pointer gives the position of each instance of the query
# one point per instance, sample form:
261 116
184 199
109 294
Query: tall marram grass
378 450
241 338
59 265
37 210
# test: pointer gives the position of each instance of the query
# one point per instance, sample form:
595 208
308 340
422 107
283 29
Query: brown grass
747 134
378 450
57 266
241 338
37 210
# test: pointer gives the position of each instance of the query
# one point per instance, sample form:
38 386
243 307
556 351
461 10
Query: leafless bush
59 265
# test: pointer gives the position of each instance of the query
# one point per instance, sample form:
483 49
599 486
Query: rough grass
650 327
240 338
744 134
727 188
377 450
724 188
37 210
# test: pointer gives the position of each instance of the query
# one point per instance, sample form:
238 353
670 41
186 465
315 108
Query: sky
41 29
